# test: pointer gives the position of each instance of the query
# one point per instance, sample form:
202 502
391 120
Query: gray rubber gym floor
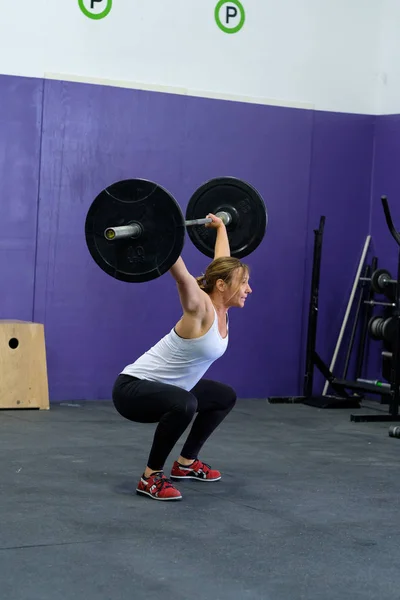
308 507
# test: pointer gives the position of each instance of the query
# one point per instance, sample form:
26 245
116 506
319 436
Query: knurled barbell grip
195 222
223 215
134 230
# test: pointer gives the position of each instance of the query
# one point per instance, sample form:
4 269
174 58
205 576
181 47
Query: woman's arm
222 242
192 297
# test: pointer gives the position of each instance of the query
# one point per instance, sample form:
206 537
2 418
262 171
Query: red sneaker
158 487
197 470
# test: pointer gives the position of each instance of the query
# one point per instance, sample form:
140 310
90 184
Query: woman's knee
185 405
224 396
230 397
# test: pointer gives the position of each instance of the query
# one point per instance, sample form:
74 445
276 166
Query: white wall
388 84
319 53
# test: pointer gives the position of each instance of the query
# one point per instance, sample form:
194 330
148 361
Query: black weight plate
240 199
378 280
375 327
394 431
389 330
158 247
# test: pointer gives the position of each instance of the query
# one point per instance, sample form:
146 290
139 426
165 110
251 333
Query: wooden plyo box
23 366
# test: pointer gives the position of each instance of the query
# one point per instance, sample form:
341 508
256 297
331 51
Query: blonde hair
221 268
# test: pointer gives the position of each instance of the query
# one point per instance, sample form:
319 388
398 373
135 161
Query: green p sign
95 9
230 15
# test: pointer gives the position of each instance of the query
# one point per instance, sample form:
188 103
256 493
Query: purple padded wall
386 181
93 136
305 164
20 128
340 190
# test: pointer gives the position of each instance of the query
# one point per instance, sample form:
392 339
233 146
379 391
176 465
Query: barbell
380 280
135 229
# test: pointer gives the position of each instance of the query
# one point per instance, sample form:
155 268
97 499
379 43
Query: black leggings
173 408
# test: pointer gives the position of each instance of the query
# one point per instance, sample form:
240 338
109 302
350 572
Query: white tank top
178 361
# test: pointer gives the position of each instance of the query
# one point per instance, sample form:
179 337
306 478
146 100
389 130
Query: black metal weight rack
341 386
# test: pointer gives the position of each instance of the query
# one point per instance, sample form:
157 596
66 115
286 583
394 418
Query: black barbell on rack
135 229
380 280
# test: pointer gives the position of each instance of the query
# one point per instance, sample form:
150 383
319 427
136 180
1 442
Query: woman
165 384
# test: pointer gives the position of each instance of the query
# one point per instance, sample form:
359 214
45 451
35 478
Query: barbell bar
386 281
134 230
375 303
376 382
225 217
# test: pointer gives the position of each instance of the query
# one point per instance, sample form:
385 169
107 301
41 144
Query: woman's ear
220 285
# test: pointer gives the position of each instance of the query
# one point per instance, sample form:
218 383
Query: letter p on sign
95 9
230 15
